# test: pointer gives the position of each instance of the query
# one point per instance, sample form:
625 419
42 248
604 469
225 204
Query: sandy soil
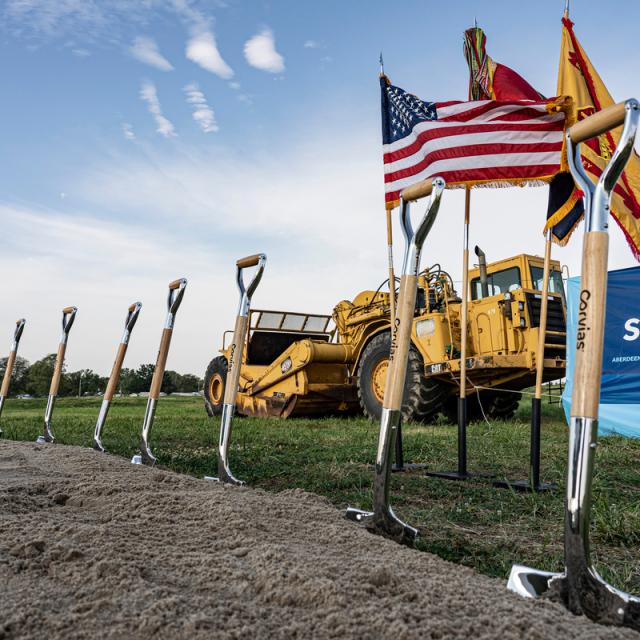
92 546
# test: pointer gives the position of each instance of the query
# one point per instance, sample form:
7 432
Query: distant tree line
34 379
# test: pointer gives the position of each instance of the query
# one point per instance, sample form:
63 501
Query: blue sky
110 187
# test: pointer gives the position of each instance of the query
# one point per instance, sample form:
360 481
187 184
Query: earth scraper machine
297 363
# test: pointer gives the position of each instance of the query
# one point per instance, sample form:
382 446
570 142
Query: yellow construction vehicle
307 364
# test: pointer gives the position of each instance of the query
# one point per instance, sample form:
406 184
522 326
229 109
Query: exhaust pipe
482 263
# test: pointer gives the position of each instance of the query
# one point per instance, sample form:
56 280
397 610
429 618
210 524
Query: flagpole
534 466
533 482
461 472
462 402
392 277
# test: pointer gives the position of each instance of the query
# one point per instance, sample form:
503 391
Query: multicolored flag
578 78
493 81
484 142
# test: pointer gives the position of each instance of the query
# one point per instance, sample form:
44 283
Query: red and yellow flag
578 78
490 80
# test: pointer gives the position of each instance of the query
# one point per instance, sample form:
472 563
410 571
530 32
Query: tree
92 383
19 377
38 377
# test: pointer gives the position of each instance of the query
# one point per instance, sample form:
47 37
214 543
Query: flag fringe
564 210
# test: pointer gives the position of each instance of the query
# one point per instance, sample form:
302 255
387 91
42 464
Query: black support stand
400 466
533 484
461 473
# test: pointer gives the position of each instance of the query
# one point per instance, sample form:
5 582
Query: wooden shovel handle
400 344
57 370
585 398
172 285
417 190
161 363
112 386
249 261
598 123
235 360
68 310
8 372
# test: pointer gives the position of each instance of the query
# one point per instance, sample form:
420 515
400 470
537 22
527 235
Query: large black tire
423 397
501 405
215 379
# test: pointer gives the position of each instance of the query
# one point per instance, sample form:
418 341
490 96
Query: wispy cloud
149 94
81 53
53 17
202 112
146 50
260 52
127 131
311 44
203 50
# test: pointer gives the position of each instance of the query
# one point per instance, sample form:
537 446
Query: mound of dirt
92 546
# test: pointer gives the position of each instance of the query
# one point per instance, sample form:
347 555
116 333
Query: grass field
471 523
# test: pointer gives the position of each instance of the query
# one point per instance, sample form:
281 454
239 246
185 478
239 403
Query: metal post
461 473
533 482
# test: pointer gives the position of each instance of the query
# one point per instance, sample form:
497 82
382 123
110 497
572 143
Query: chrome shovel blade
528 582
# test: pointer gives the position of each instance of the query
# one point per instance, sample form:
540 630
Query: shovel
235 363
11 361
132 316
579 586
176 292
68 316
382 520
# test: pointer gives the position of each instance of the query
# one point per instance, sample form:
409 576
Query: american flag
483 142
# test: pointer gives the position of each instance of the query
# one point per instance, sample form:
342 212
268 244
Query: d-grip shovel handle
176 293
132 316
593 284
598 123
259 260
11 359
417 190
249 261
242 320
18 333
401 332
68 316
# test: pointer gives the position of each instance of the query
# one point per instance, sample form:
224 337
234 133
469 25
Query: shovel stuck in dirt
235 362
68 316
11 361
176 292
579 586
382 520
132 316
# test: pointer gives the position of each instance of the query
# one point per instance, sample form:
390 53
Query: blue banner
621 358
620 391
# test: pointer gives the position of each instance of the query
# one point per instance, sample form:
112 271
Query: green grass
470 523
